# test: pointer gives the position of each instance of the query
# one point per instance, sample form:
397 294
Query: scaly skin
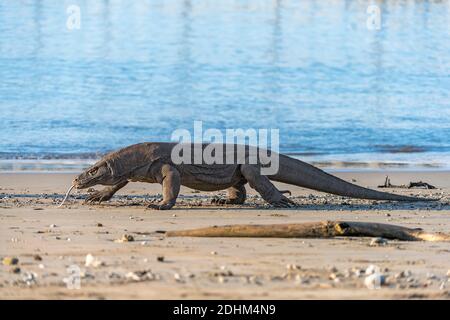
151 162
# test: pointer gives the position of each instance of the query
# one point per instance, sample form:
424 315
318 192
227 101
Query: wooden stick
323 229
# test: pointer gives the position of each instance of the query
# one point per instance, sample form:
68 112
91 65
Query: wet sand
47 240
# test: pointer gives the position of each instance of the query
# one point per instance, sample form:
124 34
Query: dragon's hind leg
264 187
236 195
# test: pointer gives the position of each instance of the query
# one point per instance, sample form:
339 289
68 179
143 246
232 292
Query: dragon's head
100 173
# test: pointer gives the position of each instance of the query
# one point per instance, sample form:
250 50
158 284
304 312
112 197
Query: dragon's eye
93 172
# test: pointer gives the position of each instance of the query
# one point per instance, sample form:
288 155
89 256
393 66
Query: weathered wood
411 185
323 229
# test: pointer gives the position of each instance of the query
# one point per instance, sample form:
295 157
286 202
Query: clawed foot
224 201
219 201
159 206
98 196
284 203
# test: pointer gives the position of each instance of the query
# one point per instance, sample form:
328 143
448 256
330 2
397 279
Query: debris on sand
293 267
411 185
403 274
376 242
140 275
374 281
373 269
91 261
160 258
29 278
16 270
125 238
178 277
37 257
10 261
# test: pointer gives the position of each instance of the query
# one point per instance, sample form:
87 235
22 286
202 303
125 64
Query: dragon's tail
299 173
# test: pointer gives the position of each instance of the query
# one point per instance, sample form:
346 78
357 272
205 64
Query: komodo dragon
151 162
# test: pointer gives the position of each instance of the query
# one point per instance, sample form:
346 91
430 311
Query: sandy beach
47 240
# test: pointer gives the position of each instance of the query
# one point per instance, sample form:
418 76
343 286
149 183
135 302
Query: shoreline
78 165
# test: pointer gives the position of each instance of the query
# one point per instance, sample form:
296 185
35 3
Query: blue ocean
131 71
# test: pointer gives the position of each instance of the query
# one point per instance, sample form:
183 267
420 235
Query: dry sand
33 228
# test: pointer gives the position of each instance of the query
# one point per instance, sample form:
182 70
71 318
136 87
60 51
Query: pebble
214 253
126 238
374 281
29 278
9 261
301 280
160 258
372 269
332 269
292 267
431 276
16 270
52 226
378 242
403 274
91 261
140 275
37 257
99 224
177 277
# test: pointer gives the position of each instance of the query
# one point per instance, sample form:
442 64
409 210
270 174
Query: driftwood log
323 229
411 185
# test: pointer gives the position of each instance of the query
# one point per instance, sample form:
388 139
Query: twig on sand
420 184
323 229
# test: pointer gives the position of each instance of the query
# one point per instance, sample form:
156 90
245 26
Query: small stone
378 242
144 243
126 238
448 273
29 278
221 279
41 266
9 261
333 276
431 276
374 281
177 277
372 269
140 275
214 253
132 276
91 261
333 269
301 280
37 257
99 224
160 258
52 226
292 267
15 270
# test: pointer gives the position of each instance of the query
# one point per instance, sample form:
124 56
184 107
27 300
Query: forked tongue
67 195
